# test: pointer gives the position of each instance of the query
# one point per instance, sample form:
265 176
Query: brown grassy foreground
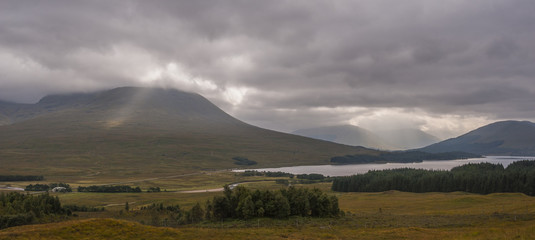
118 229
385 215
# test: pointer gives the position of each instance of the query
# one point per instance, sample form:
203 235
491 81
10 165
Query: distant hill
393 139
500 138
345 134
135 132
16 112
406 138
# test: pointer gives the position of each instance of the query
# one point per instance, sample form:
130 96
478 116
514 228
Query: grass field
383 215
388 215
117 229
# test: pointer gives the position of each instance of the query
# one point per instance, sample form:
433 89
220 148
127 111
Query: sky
444 67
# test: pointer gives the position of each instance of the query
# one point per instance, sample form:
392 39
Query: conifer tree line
242 203
482 178
311 176
20 209
109 189
47 187
154 189
23 178
166 216
82 208
401 157
295 179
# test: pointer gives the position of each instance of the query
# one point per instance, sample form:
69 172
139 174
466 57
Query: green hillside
143 132
500 138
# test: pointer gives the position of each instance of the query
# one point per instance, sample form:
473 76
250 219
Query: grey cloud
472 57
502 48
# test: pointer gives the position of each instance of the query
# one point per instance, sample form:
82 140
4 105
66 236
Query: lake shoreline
336 170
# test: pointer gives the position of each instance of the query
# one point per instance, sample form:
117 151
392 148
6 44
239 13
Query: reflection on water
347 170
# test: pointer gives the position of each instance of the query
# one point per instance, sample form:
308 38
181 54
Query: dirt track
203 190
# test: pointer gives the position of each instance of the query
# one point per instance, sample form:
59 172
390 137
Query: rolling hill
499 138
133 132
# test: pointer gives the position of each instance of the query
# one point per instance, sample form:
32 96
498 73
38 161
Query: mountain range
391 139
131 131
499 138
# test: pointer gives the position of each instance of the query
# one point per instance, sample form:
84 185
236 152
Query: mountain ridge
500 138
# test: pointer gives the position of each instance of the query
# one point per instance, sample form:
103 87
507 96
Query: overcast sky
442 66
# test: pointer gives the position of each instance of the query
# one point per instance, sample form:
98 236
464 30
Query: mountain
345 134
500 138
135 132
406 138
393 139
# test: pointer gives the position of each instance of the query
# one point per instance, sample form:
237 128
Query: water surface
351 169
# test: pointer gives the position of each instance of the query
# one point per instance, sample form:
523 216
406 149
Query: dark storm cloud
444 57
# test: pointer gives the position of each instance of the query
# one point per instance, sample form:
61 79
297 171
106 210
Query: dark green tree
196 214
246 208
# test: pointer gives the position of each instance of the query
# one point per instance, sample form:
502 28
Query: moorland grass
381 215
119 229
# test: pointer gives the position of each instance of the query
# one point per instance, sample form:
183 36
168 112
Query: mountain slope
393 139
500 138
17 112
407 138
133 132
345 134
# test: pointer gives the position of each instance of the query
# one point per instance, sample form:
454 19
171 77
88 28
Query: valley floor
383 215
